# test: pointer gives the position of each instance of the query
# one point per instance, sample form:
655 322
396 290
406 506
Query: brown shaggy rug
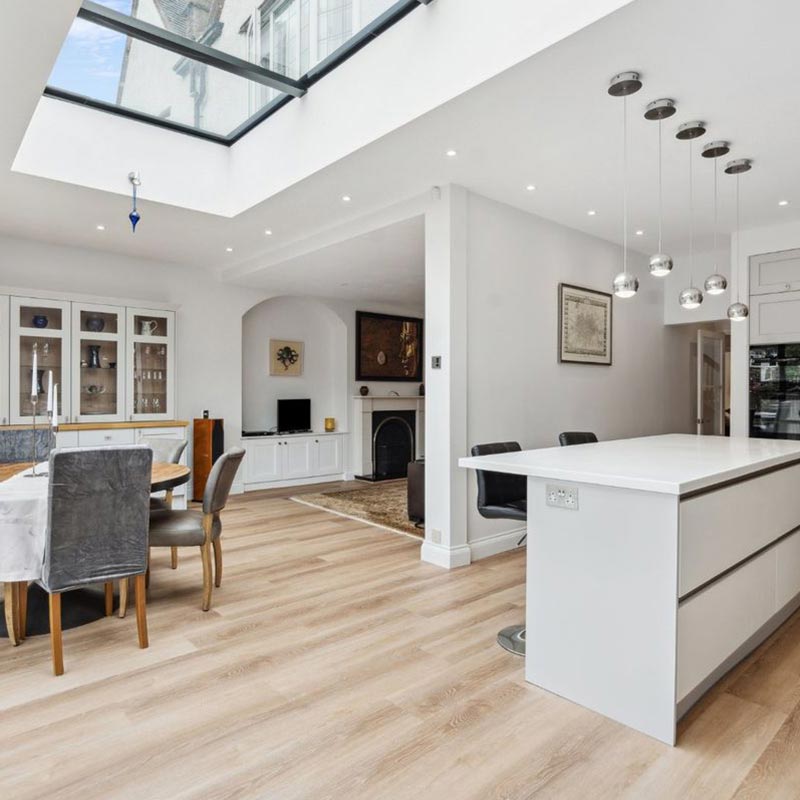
381 504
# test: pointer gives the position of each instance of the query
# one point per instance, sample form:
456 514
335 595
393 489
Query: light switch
436 362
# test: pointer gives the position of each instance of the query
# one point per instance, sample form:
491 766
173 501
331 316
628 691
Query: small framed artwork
285 358
584 325
388 348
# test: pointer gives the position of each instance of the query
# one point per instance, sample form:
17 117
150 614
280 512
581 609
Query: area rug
382 504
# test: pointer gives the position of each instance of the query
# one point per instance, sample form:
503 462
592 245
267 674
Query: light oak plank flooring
335 665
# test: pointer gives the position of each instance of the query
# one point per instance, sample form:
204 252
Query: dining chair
568 438
167 451
97 522
201 529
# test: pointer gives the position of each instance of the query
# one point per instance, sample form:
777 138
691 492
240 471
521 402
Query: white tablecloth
23 521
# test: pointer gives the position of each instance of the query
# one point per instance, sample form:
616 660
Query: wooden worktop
104 426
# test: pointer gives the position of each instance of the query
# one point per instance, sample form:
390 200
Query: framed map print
584 325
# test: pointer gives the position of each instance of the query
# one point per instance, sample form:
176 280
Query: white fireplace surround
363 408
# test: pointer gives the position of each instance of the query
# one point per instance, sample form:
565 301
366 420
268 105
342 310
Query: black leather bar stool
576 437
502 496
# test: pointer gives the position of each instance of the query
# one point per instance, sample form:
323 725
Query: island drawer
723 527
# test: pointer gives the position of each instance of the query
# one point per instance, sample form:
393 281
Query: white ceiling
548 122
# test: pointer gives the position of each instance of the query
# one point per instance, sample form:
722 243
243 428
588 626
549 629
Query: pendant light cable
625 184
691 217
736 261
714 165
660 194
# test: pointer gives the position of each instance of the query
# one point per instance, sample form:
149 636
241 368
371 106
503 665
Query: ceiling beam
152 34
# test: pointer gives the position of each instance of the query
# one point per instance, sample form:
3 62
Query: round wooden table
81 606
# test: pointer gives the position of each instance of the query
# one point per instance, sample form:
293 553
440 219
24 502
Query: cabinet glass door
151 372
40 333
98 365
4 369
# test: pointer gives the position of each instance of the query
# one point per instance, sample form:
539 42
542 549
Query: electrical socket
560 496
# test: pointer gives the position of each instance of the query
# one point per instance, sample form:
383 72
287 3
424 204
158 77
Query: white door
151 365
297 458
4 348
329 455
710 383
263 462
40 327
98 363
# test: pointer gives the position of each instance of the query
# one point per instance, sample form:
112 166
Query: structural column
446 379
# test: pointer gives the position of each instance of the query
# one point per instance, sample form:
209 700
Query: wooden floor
334 664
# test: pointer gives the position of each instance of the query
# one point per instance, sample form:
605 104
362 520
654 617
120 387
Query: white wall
209 346
325 378
517 390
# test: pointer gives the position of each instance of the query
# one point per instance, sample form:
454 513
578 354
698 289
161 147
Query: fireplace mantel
362 426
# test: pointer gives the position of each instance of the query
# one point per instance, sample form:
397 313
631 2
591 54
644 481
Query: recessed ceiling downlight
346 198
228 249
101 227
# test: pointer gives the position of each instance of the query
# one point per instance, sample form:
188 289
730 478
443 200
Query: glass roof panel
289 37
109 67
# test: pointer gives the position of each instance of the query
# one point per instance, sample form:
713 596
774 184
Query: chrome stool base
512 639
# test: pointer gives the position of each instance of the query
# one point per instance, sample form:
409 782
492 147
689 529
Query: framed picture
285 358
388 348
584 325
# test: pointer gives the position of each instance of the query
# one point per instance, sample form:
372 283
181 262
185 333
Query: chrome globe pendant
716 283
625 284
660 263
738 311
691 297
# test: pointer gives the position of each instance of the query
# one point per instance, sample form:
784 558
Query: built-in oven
775 391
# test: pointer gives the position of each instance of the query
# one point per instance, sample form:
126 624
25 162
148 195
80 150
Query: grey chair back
576 437
220 480
167 451
98 515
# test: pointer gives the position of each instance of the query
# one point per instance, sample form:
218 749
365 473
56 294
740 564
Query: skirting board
496 543
255 487
741 652
443 556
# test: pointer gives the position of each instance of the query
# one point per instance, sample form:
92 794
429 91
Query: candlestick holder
33 473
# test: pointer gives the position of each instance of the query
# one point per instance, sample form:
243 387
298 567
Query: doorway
712 382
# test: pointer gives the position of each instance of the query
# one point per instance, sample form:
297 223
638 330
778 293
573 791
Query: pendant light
716 283
691 297
660 262
738 311
135 181
625 283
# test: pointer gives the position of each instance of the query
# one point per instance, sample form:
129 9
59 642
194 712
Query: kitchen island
654 565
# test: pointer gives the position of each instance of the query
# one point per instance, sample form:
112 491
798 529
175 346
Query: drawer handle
107 437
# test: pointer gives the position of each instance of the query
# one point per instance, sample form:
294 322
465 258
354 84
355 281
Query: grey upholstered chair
97 521
201 528
167 451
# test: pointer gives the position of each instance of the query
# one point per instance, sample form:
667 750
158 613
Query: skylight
213 68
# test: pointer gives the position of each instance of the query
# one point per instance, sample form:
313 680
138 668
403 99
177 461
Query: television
294 416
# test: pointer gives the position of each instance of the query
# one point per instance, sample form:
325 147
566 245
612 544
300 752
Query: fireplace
393 444
388 433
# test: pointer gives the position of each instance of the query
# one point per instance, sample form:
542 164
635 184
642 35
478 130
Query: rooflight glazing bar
144 31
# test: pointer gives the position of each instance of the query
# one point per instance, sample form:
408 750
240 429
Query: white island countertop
670 464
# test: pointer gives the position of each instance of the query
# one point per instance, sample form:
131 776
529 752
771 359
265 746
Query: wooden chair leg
205 554
22 609
217 563
123 598
12 615
109 590
174 557
147 571
56 646
140 591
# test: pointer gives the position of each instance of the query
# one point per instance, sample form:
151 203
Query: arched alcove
324 378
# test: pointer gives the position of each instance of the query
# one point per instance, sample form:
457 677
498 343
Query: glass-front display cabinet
98 363
151 371
40 344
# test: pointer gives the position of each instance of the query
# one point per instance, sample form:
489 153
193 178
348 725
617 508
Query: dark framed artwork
584 325
388 348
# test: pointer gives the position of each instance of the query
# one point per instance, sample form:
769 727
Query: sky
90 59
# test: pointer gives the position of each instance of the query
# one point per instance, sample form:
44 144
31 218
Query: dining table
23 527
